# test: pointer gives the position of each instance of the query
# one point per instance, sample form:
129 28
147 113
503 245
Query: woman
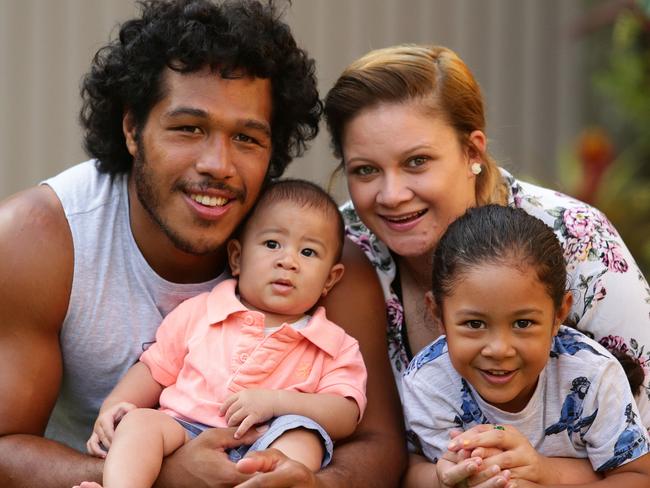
408 124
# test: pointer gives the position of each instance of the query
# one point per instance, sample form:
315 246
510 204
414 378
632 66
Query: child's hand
470 472
248 408
104 429
517 454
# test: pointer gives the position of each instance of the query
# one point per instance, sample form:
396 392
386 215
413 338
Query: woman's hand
505 447
104 428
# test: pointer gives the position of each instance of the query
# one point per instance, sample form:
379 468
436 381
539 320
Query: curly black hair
232 37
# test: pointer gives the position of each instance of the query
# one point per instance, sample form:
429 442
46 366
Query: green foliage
620 54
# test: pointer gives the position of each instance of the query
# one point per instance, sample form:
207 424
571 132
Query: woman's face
408 175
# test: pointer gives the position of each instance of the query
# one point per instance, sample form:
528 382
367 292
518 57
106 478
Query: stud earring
476 168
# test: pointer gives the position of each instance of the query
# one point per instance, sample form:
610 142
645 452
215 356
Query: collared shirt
212 346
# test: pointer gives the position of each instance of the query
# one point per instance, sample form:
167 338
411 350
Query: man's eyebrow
197 112
258 125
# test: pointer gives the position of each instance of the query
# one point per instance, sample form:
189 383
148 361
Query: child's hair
305 194
496 234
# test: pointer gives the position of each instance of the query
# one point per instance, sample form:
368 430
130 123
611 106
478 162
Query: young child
247 352
542 389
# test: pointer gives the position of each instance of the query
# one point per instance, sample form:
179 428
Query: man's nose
216 158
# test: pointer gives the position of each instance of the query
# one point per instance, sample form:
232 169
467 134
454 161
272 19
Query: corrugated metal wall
520 51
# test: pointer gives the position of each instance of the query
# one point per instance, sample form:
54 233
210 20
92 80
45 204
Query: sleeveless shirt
116 303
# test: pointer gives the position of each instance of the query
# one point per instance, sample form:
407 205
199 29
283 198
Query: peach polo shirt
211 346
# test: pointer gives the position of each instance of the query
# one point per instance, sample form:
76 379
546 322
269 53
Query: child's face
500 322
285 262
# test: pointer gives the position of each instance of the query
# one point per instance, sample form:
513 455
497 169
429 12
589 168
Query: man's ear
563 312
434 313
234 256
130 133
335 275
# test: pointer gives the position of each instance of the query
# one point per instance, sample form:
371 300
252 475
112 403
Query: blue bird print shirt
611 297
582 406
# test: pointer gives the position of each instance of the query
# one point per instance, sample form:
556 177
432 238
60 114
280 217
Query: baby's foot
88 484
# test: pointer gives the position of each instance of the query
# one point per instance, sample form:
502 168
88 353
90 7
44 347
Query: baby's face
285 260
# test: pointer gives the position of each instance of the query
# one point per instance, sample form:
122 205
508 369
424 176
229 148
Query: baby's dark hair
496 234
234 38
305 194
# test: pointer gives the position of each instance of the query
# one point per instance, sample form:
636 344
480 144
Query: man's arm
35 281
375 455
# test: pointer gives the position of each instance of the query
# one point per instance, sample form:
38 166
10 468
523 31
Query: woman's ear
477 145
130 133
563 312
434 313
234 256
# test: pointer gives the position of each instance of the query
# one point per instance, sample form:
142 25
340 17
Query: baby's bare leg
302 445
142 439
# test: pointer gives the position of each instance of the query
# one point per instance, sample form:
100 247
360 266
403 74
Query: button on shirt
212 346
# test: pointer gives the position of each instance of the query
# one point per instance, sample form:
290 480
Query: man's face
200 160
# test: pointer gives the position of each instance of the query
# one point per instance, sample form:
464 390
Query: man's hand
275 470
104 428
249 407
203 462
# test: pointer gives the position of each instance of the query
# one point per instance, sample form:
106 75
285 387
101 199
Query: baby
255 349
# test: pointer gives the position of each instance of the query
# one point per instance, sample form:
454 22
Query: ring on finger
499 427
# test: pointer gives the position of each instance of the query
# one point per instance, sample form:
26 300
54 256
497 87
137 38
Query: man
188 113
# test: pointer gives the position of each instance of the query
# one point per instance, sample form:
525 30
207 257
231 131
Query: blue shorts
277 427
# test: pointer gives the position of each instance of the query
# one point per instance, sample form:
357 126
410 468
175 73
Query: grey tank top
117 300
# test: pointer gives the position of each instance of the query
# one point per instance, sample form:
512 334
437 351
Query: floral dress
611 296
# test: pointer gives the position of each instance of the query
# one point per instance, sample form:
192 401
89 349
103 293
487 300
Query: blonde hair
431 75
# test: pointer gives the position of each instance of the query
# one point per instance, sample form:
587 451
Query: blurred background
567 85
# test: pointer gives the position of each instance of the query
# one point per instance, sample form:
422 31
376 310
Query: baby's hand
517 454
248 408
104 428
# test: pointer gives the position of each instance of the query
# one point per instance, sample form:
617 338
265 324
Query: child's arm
136 389
336 414
516 454
455 469
635 474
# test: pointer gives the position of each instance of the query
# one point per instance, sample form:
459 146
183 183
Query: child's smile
500 322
